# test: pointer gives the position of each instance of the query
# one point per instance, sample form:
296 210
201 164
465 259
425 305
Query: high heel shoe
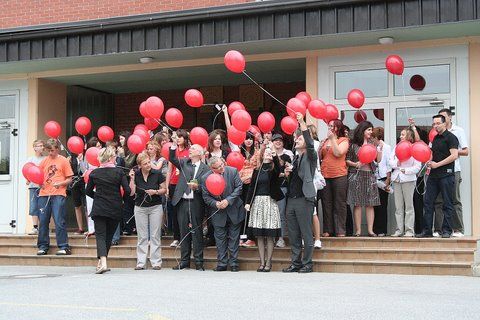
261 268
267 268
102 270
372 234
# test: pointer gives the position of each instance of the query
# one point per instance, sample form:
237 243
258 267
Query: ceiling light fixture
146 59
385 40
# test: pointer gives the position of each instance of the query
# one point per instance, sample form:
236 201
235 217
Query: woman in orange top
334 170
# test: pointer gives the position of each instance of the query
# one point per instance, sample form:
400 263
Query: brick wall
17 13
127 114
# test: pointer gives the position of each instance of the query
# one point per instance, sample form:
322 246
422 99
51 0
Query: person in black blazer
301 200
190 206
107 202
263 194
227 214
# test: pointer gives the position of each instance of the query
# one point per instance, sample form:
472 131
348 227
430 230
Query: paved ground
77 293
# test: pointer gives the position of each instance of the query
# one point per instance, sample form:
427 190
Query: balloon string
404 99
66 150
159 121
215 119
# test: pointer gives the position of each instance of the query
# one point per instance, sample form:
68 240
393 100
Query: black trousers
128 220
104 230
381 213
191 209
173 214
418 204
248 231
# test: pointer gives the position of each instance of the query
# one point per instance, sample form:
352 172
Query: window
424 80
7 107
373 83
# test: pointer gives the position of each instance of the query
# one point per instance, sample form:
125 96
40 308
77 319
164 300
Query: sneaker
280 243
409 235
33 232
457 234
41 252
317 244
174 243
436 234
63 252
249 244
397 234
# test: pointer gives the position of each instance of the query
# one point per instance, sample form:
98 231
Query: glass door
377 114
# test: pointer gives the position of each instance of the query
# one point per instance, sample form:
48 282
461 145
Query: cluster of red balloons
419 151
33 173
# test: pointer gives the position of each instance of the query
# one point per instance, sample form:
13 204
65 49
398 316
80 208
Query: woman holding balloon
404 177
362 183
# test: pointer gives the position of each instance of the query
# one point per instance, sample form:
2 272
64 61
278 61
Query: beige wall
474 72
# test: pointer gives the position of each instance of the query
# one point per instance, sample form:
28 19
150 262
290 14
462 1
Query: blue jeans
445 186
55 205
34 207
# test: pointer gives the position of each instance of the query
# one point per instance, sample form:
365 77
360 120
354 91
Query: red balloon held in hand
234 106
142 134
235 159
83 125
266 121
421 152
166 150
75 144
359 116
92 156
25 168
432 134
143 110
294 106
136 144
52 129
403 150
199 135
236 136
394 64
105 133
151 123
194 98
317 109
234 61
35 174
86 175
356 98
289 125
154 107
215 184
174 117
331 113
304 96
241 120
367 153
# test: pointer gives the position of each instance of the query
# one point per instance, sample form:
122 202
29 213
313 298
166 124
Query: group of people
276 194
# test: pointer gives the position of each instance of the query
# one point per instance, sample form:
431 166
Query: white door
8 162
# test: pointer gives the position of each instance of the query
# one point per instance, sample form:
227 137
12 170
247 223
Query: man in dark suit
188 198
301 200
227 222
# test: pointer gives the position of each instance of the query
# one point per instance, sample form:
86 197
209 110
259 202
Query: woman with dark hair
264 215
182 151
334 170
130 159
362 184
217 144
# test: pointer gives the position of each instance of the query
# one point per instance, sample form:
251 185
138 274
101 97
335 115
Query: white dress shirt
410 166
189 195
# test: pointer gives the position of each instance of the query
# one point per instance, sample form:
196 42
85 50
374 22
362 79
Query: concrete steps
362 255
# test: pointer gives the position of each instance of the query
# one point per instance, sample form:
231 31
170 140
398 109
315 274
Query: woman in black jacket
107 180
264 216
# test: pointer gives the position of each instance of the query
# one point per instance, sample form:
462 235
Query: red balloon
289 125
154 107
143 109
432 134
151 123
266 121
360 116
234 61
421 152
52 129
135 143
35 174
356 98
395 64
83 125
378 113
174 117
105 133
304 96
215 184
236 136
194 98
241 120
234 106
166 150
331 113
141 126
294 106
403 150
254 129
199 135
142 134
92 156
367 153
25 168
235 159
75 144
317 109
86 175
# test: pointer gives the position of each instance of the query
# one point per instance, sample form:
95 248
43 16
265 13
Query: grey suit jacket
232 193
186 171
307 167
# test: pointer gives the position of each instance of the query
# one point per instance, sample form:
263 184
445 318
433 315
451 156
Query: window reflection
4 151
352 118
373 83
422 116
436 80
